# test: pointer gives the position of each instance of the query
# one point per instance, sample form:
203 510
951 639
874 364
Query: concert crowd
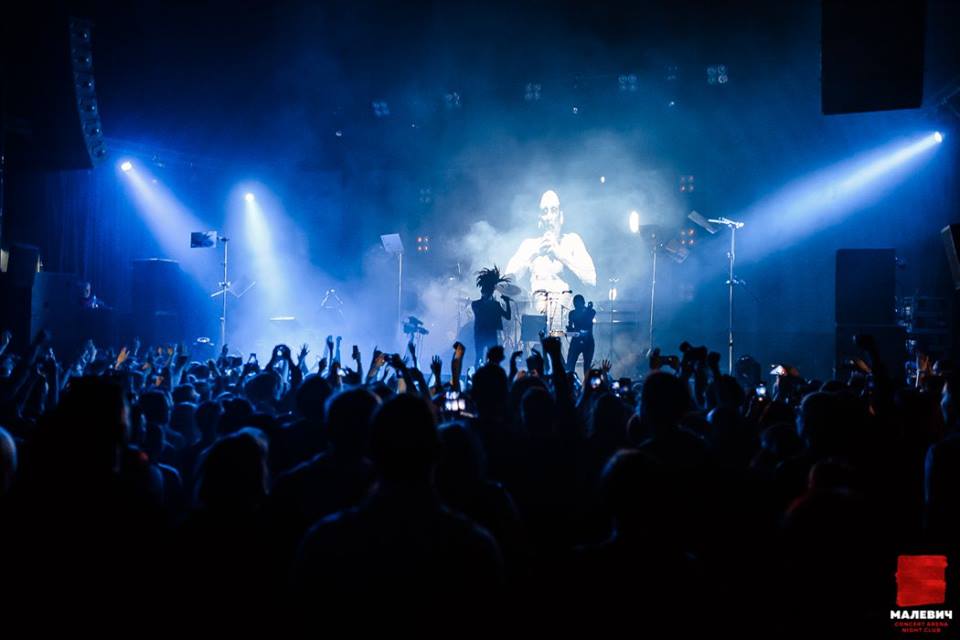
384 488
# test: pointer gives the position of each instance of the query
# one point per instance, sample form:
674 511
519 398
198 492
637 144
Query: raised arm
456 365
506 312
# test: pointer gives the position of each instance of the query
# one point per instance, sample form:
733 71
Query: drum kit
541 311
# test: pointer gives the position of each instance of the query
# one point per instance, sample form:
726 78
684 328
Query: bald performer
550 258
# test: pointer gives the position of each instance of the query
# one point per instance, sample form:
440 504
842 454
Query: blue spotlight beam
259 241
167 219
814 203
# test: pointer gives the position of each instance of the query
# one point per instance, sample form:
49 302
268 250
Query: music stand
392 244
203 239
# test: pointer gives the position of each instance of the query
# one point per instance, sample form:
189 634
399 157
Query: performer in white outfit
549 258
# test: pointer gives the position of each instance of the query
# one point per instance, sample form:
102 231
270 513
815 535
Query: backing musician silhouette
580 322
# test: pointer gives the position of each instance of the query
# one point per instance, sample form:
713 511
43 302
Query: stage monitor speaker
22 265
891 342
951 242
51 113
871 55
866 287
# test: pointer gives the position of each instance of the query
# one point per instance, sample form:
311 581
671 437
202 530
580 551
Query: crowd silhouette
294 494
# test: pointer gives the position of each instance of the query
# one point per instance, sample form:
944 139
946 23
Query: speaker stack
871 55
157 301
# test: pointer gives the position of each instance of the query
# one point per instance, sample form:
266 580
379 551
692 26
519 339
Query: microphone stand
224 286
732 282
653 291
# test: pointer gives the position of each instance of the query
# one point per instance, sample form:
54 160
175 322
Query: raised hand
355 354
456 366
397 362
304 352
552 346
321 365
513 364
606 365
412 348
436 367
535 363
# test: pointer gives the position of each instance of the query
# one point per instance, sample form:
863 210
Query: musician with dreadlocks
488 313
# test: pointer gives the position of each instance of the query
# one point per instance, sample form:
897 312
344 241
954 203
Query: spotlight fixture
717 74
249 197
126 166
688 184
937 137
634 222
532 92
452 100
380 108
628 82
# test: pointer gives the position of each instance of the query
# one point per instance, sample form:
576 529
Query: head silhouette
404 444
348 421
663 402
233 472
488 279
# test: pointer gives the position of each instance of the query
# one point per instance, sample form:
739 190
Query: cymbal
508 289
